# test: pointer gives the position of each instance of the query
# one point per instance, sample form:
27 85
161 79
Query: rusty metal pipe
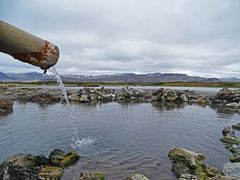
26 47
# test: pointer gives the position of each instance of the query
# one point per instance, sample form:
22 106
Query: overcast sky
196 37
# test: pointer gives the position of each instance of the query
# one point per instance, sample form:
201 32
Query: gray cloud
141 36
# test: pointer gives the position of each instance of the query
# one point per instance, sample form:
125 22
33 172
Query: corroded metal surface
26 47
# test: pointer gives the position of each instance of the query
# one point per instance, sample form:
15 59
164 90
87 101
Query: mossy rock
69 159
235 158
92 176
50 173
236 126
56 156
230 140
20 166
179 169
186 157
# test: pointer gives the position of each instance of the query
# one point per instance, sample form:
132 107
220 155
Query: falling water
61 85
76 140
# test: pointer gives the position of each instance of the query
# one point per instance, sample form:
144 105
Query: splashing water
82 142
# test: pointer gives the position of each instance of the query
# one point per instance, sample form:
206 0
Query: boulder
235 158
228 131
230 140
236 126
20 167
183 97
188 177
56 156
232 105
137 176
232 169
50 172
6 106
69 159
188 165
92 176
187 158
84 98
179 169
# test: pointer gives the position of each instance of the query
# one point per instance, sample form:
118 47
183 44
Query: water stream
76 141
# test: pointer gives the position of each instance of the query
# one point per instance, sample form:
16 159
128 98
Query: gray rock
183 97
232 169
91 176
188 177
137 176
6 106
83 98
232 105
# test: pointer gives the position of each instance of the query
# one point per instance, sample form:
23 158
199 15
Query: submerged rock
232 169
92 176
137 176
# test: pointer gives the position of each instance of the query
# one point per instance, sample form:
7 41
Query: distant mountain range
126 77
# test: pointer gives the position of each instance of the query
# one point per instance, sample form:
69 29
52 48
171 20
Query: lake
119 139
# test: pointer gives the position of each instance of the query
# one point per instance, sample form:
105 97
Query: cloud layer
142 36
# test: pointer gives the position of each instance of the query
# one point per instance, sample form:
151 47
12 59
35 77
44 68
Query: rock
232 169
137 176
188 177
232 105
188 165
83 98
74 97
69 159
188 158
235 158
183 97
6 106
19 167
201 100
223 178
228 131
230 140
236 126
179 169
56 156
50 173
92 176
42 160
235 149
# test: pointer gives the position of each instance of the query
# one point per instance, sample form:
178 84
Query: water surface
118 139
